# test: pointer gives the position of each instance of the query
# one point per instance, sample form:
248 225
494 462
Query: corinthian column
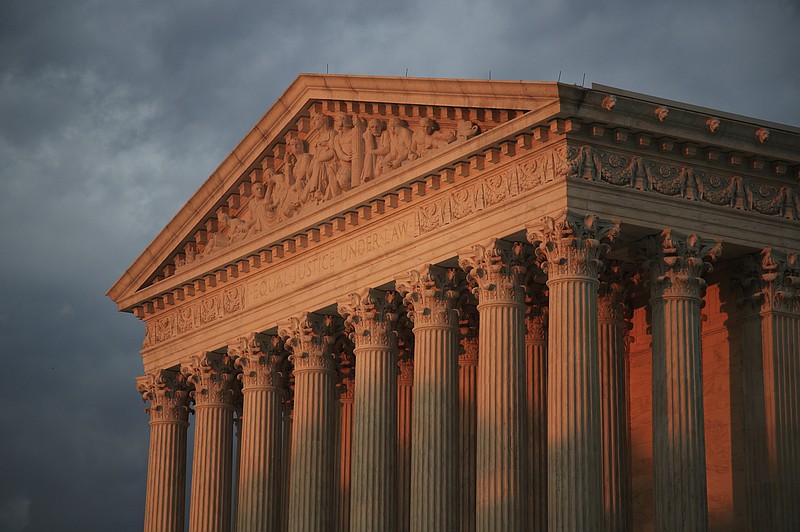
771 366
434 443
312 488
345 446
405 394
679 456
262 362
213 378
496 272
536 359
371 317
168 394
571 248
615 445
467 417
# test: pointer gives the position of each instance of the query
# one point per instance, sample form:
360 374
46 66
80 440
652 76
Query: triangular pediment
327 138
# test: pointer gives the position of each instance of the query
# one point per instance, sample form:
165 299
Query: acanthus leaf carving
262 360
496 270
572 245
370 317
430 294
311 339
678 263
213 376
169 393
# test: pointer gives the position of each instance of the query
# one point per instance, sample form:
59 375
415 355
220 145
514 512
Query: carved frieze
693 184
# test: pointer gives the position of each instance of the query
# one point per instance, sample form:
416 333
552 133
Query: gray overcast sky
113 113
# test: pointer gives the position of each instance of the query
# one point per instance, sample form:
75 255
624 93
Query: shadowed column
344 445
679 456
405 394
263 364
467 417
536 354
571 248
434 443
496 272
612 311
311 494
371 316
771 363
210 509
168 393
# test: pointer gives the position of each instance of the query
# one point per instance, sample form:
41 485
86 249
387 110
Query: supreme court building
456 305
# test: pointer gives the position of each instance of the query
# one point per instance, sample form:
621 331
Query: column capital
469 336
496 271
677 263
572 245
262 360
768 281
169 394
616 286
538 315
311 338
430 294
213 377
370 316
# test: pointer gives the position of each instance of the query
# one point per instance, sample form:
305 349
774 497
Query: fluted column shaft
467 428
210 509
371 315
496 271
286 455
262 377
434 443
615 445
345 448
572 249
166 465
771 368
312 485
679 459
405 395
536 360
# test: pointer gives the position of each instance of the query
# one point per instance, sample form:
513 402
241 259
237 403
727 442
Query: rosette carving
571 245
370 317
169 394
311 338
213 377
430 295
495 270
261 359
677 264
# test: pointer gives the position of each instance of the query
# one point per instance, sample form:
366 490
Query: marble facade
456 305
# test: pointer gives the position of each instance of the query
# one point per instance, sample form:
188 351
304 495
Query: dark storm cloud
113 113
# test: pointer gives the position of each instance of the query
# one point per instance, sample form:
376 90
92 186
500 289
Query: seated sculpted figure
427 138
262 214
399 142
376 146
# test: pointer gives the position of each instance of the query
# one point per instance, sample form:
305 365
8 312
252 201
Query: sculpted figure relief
345 151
